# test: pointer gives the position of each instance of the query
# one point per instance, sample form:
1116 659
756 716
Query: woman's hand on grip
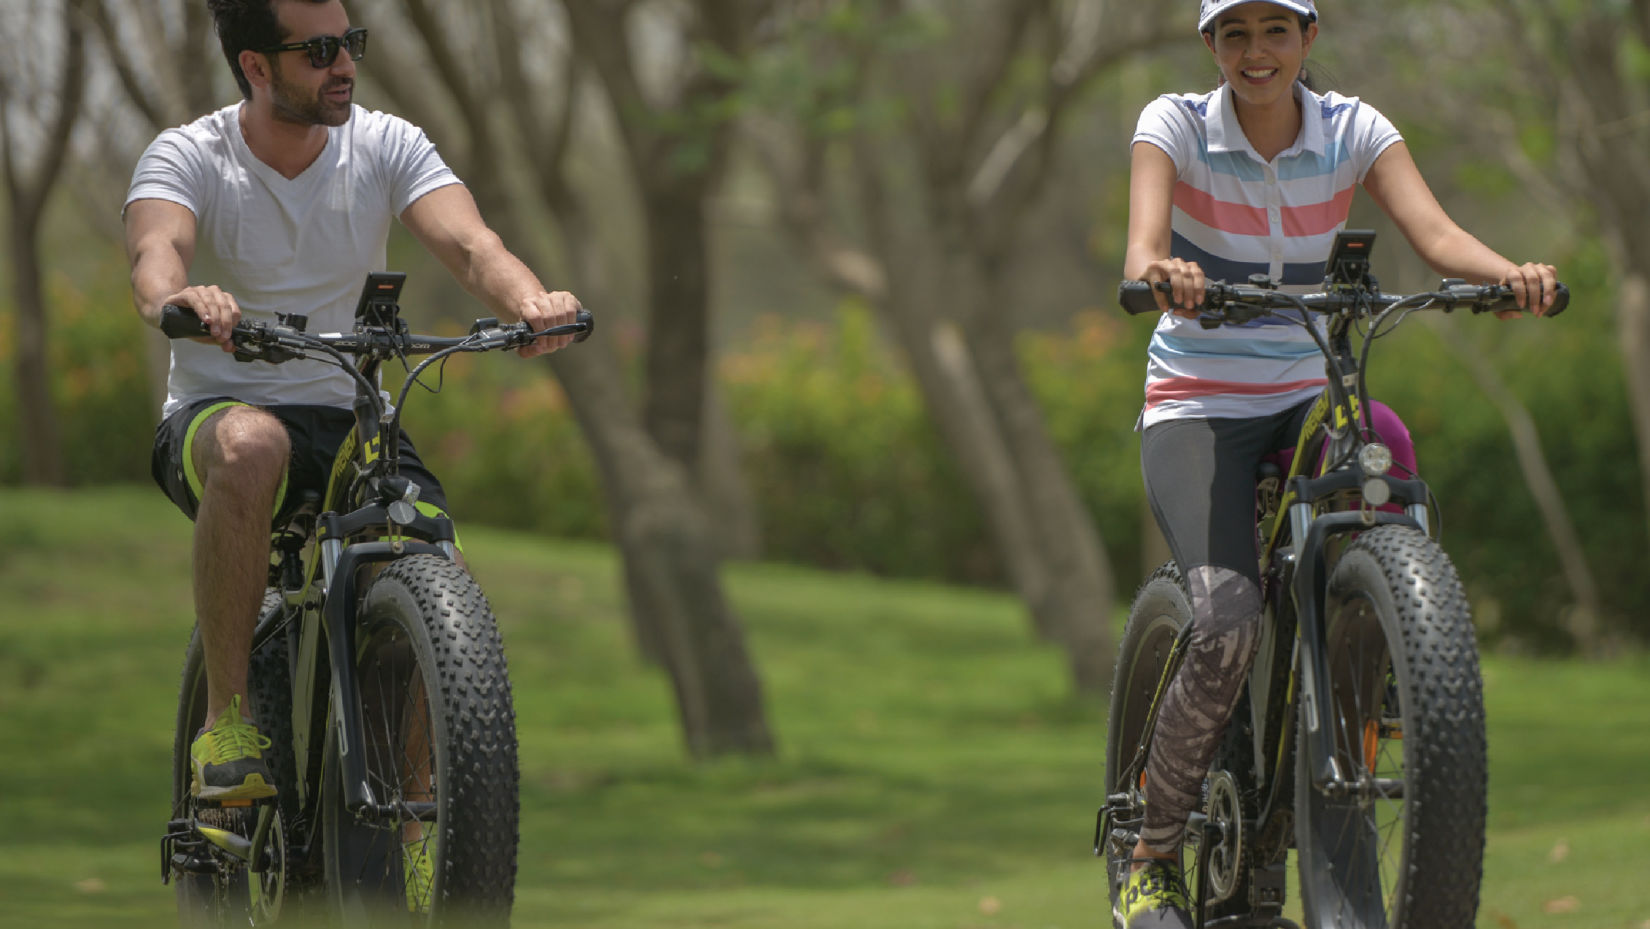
1186 284
1534 286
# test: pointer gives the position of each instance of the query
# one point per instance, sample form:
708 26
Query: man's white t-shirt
301 245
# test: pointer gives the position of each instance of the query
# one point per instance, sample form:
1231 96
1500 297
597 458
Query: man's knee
245 442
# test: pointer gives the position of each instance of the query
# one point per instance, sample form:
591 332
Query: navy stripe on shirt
1216 268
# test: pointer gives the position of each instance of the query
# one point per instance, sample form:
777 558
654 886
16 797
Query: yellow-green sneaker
1155 896
418 873
228 759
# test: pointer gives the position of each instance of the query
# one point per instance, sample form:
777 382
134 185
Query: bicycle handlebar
1237 303
180 322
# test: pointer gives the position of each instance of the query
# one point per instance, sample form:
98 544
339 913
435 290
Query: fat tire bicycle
377 674
1358 738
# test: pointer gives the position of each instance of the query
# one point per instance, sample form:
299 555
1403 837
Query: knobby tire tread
1427 624
459 652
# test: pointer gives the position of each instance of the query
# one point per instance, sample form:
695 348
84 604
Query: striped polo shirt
1236 214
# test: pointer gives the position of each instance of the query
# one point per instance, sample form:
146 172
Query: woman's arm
1400 191
1152 178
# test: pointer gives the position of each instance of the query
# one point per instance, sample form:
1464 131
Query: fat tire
205 900
424 619
1417 861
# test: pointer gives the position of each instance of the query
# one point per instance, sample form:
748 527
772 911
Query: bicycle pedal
179 851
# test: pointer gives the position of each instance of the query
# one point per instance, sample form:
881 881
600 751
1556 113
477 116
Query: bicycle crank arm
247 850
239 846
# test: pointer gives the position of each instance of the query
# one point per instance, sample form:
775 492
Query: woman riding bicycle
1254 177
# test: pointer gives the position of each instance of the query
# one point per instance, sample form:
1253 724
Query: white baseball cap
1213 8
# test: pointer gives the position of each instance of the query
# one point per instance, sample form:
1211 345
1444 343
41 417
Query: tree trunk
722 484
995 430
42 451
671 565
28 193
676 154
1079 593
1633 331
678 340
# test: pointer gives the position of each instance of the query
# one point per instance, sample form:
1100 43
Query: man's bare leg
241 456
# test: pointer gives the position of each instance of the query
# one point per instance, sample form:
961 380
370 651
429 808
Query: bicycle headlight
1375 459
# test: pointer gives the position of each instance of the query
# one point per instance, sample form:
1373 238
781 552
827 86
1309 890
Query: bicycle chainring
1225 858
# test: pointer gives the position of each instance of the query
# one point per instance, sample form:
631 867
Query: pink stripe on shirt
1190 388
1319 217
1228 217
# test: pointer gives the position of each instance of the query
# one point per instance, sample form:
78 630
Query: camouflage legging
1200 480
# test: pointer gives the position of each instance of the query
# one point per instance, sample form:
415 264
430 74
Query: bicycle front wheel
1402 843
440 758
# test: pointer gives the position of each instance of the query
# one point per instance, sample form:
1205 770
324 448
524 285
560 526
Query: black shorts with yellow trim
315 432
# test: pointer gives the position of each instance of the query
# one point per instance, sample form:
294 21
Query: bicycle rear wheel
440 757
1403 845
226 893
1161 608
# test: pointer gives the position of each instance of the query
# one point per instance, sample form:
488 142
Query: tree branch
29 193
608 50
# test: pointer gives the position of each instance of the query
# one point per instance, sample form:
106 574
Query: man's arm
447 222
160 243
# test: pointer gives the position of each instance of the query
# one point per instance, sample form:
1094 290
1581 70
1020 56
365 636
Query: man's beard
292 106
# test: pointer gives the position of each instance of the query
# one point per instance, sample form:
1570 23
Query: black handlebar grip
180 322
1561 300
589 325
1136 298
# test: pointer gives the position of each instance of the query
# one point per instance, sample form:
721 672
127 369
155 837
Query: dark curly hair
246 25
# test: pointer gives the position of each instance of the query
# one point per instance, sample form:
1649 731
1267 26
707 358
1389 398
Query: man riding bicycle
289 194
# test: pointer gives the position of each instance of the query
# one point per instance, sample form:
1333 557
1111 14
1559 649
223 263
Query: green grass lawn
932 771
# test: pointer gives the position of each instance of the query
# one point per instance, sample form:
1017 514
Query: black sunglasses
324 48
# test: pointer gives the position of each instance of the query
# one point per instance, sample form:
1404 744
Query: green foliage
847 468
1091 381
104 413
